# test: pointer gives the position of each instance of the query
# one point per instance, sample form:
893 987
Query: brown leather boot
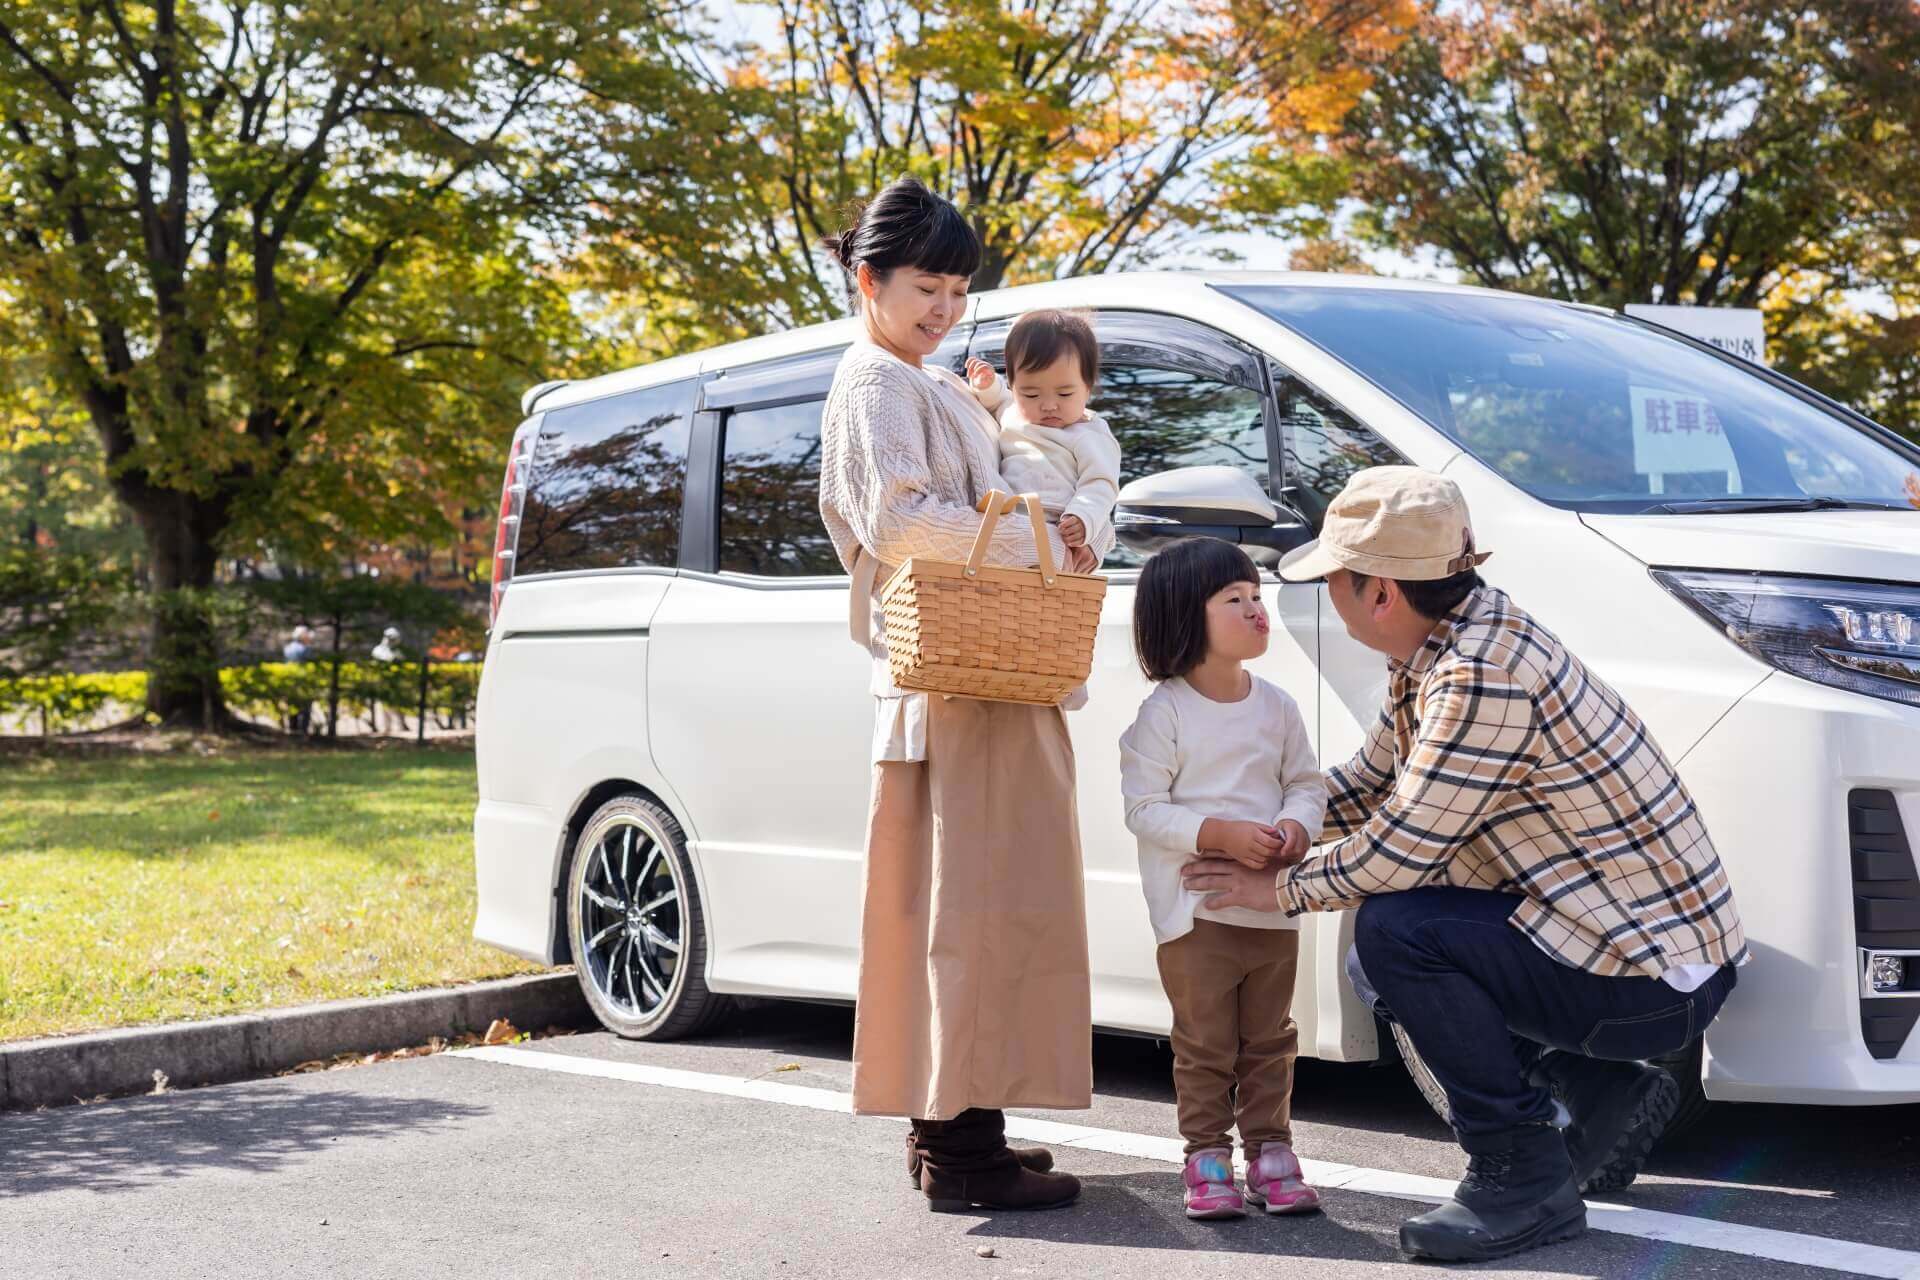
1007 1185
1038 1159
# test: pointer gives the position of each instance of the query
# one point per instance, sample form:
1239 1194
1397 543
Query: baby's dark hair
1170 604
906 225
1041 337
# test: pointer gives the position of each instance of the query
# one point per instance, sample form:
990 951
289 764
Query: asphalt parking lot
585 1155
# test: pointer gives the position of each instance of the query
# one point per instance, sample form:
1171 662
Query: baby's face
1055 396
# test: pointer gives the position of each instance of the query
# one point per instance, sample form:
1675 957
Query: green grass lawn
148 887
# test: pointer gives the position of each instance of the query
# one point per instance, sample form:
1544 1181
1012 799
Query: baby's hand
1073 531
1250 843
1081 560
1294 841
980 374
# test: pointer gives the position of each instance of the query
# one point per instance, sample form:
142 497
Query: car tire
636 925
1684 1067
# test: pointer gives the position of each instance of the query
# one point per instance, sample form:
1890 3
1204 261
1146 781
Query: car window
1588 410
1323 446
1168 418
606 483
770 493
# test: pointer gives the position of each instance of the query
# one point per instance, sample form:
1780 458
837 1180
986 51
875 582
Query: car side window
606 484
1322 445
1175 393
770 493
1168 418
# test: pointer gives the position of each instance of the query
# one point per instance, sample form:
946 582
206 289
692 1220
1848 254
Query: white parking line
1673 1228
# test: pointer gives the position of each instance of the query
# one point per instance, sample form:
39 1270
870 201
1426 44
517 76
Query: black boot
1518 1194
965 1162
1619 1111
1038 1159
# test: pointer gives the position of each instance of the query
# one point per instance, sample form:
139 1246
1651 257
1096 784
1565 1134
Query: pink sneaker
1275 1181
1211 1192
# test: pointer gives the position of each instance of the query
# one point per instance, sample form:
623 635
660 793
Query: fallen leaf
500 1031
789 1066
984 1251
159 1081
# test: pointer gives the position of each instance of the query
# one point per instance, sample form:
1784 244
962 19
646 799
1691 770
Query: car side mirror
1207 502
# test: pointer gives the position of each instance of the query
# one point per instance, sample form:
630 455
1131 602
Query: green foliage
296 262
1709 153
53 605
63 701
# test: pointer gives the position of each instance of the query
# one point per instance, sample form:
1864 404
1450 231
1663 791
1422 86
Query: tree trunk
426 659
333 681
183 682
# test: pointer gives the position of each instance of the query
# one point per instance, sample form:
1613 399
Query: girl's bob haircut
1170 604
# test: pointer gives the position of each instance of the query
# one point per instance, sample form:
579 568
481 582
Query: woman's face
910 311
1237 622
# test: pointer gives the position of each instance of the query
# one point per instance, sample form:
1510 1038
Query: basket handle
997 504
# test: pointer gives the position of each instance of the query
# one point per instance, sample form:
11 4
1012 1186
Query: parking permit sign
1676 433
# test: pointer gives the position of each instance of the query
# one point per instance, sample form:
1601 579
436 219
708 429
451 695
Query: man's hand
1246 842
1295 842
979 373
1229 884
1073 531
1081 560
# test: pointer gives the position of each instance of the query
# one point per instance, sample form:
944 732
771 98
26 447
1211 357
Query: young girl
1218 759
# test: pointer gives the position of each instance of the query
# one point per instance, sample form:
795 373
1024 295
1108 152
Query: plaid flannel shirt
1500 762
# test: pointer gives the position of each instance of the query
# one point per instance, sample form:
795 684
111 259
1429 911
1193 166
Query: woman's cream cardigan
905 453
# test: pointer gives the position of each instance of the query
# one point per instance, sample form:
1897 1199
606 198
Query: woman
973 942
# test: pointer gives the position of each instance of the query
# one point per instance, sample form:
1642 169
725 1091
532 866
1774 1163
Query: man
1540 908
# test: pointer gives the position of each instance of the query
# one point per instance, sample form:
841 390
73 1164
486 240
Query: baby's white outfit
1075 469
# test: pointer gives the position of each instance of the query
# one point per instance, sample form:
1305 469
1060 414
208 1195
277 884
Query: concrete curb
66 1069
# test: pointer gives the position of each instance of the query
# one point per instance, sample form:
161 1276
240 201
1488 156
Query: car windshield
1593 411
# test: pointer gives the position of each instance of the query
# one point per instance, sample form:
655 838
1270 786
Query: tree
1617 152
294 261
1078 135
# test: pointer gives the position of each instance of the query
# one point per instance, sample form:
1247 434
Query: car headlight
1862 636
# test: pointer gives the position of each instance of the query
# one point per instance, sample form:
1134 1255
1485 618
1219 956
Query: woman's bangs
946 245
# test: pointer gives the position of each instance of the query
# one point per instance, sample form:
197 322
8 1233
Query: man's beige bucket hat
1391 522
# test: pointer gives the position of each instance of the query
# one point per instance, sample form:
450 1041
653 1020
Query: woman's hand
1229 884
1250 843
980 374
1081 560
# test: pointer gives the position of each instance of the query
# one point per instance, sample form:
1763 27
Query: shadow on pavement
245 1128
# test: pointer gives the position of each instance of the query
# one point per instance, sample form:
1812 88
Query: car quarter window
1323 445
606 484
1175 394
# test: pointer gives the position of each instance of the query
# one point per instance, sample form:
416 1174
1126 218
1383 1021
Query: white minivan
674 725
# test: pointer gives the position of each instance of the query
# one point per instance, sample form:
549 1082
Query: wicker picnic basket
977 630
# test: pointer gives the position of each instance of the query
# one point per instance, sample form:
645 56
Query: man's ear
1385 592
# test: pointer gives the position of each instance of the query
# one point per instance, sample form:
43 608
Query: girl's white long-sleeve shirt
1187 758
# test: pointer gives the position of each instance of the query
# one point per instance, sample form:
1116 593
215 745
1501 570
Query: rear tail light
506 535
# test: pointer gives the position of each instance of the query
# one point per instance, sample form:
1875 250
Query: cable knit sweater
905 453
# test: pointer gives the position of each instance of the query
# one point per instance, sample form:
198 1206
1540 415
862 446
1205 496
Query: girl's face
1236 623
1055 396
910 311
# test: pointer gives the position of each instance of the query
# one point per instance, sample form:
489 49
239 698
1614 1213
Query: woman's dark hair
906 225
1433 598
1170 604
1041 337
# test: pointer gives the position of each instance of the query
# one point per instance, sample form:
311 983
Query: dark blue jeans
1479 998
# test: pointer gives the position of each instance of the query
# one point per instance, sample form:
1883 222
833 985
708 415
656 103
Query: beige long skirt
974 989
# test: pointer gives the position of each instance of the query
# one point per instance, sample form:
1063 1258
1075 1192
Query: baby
1049 443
